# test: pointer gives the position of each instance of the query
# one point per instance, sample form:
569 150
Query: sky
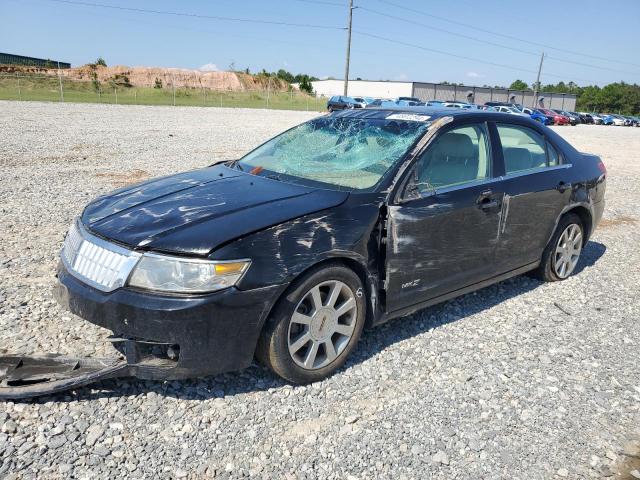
491 42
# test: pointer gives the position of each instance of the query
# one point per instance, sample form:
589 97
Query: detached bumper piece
24 376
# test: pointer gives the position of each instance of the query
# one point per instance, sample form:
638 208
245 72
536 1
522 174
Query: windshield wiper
235 164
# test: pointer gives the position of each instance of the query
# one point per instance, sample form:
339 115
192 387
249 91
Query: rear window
522 148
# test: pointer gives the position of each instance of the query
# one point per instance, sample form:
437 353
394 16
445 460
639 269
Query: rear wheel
562 254
315 326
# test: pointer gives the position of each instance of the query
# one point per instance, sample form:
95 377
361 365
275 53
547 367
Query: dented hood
195 212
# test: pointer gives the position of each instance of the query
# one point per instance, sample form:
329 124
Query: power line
463 57
468 37
488 42
510 37
442 52
195 15
322 2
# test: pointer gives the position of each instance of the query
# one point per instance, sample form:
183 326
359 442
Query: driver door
442 234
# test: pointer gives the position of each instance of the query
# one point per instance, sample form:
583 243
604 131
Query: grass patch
47 88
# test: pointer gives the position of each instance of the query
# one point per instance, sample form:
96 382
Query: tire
550 269
330 109
286 346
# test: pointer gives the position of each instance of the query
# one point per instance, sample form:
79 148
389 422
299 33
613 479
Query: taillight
602 167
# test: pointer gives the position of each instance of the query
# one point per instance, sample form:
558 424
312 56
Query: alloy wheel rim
567 251
322 325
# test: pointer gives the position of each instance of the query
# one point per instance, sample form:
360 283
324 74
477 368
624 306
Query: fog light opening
173 352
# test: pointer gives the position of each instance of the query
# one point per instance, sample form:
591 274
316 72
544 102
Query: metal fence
27 87
480 95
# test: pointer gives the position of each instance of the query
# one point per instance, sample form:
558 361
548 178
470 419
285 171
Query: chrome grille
99 263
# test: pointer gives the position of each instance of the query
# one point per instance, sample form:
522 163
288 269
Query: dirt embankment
146 77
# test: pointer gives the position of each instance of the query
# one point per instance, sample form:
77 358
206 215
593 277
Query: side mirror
412 190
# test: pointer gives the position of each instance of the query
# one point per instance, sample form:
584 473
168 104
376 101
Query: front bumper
215 333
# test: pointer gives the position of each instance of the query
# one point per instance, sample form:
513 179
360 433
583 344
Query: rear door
536 188
442 233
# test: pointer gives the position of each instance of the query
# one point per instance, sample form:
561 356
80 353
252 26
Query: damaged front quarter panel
349 233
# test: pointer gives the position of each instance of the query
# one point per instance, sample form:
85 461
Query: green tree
519 85
284 75
305 85
100 61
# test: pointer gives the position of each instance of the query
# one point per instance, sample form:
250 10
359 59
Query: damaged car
340 223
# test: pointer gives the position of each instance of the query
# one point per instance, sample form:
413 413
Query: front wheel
562 254
315 326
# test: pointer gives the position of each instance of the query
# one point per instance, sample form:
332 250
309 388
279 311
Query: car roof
435 113
473 115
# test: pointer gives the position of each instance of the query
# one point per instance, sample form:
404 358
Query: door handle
487 202
562 186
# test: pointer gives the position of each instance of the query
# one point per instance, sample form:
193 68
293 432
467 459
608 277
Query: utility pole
346 66
536 87
268 91
60 80
173 87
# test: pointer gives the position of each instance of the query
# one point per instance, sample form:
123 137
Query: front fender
279 254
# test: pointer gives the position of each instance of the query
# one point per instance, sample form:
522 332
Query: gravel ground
520 380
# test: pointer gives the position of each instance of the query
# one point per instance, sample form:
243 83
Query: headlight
186 275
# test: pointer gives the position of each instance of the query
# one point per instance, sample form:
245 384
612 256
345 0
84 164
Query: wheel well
349 263
585 218
359 270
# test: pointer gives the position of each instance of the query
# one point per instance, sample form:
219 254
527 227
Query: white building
363 88
443 92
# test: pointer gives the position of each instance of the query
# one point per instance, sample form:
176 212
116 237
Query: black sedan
341 102
343 222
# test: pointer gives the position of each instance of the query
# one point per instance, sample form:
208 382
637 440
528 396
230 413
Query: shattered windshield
347 152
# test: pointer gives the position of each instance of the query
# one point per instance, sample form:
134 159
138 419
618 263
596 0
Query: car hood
195 212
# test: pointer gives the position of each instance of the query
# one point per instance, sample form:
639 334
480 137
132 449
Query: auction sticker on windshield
411 117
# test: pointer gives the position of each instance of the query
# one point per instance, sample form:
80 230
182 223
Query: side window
522 148
553 156
458 156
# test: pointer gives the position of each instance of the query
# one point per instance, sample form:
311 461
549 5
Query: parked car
434 103
345 221
381 102
578 116
558 119
510 110
409 99
538 116
586 117
610 119
409 103
573 119
462 105
550 117
504 104
621 121
363 101
597 118
340 102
